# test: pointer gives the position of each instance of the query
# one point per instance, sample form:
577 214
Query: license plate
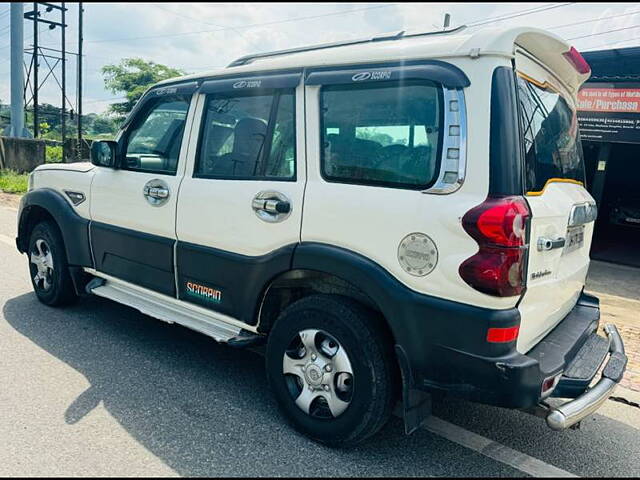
575 238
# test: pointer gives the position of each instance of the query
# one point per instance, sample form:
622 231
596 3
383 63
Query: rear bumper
572 353
559 418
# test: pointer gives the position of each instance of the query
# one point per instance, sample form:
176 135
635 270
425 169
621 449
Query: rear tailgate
562 210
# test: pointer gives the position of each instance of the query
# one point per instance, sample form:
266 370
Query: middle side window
248 137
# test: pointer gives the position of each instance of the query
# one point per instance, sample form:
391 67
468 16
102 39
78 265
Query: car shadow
205 409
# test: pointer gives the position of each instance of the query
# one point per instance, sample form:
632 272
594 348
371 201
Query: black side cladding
74 228
228 282
136 257
505 150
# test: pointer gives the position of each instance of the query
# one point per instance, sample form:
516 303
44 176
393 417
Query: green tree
103 124
132 76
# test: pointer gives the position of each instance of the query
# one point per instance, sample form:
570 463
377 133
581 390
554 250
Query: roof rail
378 38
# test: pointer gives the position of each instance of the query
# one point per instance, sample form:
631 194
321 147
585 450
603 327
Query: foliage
12 182
132 76
53 154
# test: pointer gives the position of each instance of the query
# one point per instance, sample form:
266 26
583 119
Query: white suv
396 218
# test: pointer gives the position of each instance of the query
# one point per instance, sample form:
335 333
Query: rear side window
384 134
248 137
551 139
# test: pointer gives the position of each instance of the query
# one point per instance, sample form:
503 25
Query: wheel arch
47 204
327 269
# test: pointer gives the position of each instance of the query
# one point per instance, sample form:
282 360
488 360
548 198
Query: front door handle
271 206
156 192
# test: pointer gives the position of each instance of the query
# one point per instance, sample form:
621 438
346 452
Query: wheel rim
318 374
42 258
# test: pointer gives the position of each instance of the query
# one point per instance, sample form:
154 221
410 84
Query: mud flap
416 404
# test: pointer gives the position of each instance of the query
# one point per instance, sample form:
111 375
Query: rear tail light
574 57
499 225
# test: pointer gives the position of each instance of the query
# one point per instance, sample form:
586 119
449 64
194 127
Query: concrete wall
21 154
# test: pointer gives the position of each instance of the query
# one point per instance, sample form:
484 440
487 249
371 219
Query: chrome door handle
156 192
545 243
271 206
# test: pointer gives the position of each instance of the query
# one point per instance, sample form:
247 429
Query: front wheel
331 369
48 266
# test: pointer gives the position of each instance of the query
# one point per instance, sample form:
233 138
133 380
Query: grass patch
12 182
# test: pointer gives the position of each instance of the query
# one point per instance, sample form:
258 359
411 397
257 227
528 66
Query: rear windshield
551 139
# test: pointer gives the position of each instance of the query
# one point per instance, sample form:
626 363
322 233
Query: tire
371 391
51 281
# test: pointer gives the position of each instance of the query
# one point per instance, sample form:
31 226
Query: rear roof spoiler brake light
574 57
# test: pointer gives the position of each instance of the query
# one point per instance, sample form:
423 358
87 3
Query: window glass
153 144
248 137
551 139
381 134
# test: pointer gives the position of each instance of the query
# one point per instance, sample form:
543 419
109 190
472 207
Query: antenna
447 21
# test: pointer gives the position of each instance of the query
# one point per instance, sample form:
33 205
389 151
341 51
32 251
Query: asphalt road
100 389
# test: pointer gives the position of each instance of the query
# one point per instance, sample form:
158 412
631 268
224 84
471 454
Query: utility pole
79 84
36 122
63 112
16 129
40 53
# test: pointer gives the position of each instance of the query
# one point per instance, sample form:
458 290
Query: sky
197 37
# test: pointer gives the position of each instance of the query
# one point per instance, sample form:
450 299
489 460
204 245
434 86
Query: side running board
169 310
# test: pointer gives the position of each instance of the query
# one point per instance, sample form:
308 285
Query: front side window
248 137
382 134
550 133
153 143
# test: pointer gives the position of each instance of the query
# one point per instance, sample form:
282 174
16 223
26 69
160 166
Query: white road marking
497 451
8 240
489 448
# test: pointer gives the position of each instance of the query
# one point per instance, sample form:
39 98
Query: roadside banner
609 112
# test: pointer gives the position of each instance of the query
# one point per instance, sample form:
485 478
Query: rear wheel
48 266
331 369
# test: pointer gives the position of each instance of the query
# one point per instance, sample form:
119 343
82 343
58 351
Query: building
609 117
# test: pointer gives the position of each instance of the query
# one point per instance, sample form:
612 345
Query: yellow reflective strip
555 180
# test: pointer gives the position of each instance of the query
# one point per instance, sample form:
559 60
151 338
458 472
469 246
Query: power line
518 14
297 19
603 33
208 23
594 20
602 46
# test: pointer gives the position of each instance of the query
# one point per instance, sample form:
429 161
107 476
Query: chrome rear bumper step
570 413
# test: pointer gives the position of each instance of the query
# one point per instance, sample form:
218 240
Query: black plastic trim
505 150
140 258
435 70
74 228
240 279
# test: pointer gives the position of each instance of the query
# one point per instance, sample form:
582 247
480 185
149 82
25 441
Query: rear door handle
545 243
271 206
